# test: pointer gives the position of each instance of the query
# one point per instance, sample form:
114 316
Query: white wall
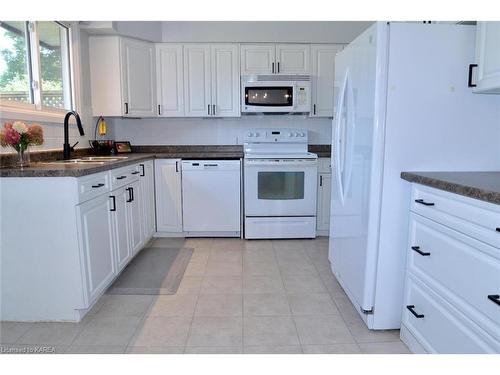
263 31
183 131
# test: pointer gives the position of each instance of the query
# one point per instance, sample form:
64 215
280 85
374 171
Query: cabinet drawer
93 185
463 270
439 327
467 215
123 176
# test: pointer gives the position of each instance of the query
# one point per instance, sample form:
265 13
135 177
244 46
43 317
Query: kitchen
296 190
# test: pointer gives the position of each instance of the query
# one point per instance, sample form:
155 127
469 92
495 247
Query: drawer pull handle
121 177
417 249
136 172
495 298
98 185
421 201
498 229
411 308
143 173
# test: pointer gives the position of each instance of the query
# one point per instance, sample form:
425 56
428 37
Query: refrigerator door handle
348 140
339 165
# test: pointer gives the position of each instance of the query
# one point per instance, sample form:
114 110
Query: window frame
36 111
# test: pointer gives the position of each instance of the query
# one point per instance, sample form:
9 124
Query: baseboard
410 341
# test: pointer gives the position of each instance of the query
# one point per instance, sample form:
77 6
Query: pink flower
9 136
35 134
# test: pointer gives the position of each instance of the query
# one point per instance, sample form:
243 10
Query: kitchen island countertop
484 186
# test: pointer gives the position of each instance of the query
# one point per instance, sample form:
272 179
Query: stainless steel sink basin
98 160
73 161
104 158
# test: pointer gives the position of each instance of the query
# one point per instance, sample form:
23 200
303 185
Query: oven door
268 97
280 187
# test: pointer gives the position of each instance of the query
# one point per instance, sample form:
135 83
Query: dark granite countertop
40 168
484 186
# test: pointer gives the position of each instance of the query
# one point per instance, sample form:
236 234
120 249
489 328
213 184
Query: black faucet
67 148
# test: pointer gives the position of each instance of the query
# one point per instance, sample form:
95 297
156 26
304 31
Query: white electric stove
280 183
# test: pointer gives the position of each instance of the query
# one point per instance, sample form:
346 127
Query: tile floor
236 297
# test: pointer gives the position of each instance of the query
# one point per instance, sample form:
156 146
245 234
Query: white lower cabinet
147 198
96 241
168 193
118 211
453 274
134 216
324 197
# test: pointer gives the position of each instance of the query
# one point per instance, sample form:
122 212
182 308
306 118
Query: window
35 68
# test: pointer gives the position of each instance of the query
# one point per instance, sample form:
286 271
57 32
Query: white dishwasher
211 198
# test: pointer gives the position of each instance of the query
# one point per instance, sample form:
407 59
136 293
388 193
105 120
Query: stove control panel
275 136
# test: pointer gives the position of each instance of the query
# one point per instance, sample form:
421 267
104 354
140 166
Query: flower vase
23 157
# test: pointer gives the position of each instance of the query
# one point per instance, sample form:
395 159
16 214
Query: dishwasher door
211 196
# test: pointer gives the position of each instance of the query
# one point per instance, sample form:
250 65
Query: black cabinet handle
129 195
208 109
417 249
495 298
176 166
143 173
213 109
126 108
159 110
135 172
469 82
314 109
320 180
132 191
498 229
411 308
278 67
121 177
273 68
98 185
421 201
114 203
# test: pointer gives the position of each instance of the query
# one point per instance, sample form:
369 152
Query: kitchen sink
103 158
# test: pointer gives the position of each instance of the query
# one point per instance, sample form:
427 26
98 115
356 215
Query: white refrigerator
402 105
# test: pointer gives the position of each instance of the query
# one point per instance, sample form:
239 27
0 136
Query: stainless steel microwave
272 93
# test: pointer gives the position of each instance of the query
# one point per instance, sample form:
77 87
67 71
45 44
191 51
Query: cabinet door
197 80
258 59
293 59
323 73
147 199
170 80
123 249
134 216
225 80
96 244
323 214
488 57
168 194
138 78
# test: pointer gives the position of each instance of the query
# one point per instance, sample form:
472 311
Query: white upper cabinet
197 80
258 58
293 58
323 72
138 78
275 58
211 80
225 80
487 57
122 75
170 80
